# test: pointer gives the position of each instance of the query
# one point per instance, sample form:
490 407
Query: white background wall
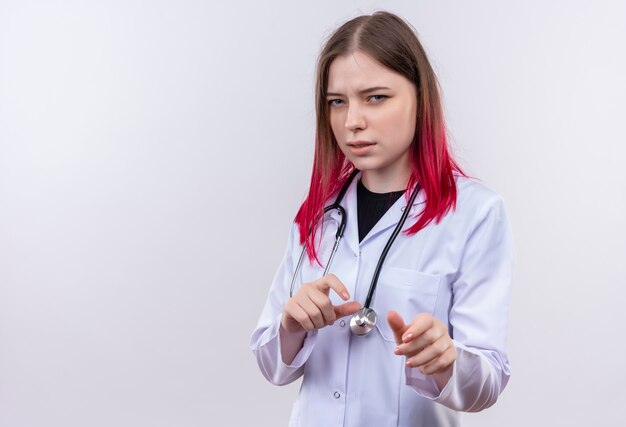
153 154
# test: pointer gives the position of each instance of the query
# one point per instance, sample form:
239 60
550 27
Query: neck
377 181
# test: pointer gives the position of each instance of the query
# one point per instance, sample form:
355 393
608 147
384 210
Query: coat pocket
409 292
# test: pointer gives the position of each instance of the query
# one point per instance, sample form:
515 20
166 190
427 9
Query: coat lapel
393 215
389 219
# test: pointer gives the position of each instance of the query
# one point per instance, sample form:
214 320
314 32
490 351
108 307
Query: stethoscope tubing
383 255
338 236
364 320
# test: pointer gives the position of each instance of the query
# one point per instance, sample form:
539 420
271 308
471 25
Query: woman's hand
426 344
310 308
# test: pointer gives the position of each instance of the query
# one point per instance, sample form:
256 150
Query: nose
355 119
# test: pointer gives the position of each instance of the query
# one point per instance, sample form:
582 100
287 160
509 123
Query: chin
364 165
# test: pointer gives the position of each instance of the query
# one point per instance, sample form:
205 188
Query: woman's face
372 114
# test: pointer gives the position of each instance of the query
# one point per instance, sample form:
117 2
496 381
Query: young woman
403 322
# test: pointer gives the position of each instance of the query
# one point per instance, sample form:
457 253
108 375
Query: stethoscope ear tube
338 234
297 270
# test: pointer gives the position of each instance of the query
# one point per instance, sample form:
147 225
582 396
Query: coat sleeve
478 318
265 340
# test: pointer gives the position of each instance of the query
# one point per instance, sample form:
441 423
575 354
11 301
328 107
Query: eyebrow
362 92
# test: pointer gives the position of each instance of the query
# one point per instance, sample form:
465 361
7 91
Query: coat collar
389 219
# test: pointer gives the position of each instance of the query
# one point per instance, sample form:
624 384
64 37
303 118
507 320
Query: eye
335 102
376 99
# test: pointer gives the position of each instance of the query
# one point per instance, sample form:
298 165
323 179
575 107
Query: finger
441 363
300 316
324 305
430 353
313 312
346 309
330 281
415 345
421 323
396 323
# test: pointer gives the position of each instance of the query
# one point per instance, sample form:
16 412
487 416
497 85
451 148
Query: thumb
396 323
346 309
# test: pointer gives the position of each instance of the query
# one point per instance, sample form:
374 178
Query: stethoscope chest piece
363 321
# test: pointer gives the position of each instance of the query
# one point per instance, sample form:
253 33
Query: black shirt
372 206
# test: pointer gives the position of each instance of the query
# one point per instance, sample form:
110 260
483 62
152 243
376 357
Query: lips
360 144
360 148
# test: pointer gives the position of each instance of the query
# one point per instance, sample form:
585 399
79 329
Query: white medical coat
459 270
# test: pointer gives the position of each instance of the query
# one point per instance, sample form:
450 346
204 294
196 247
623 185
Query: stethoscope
364 320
